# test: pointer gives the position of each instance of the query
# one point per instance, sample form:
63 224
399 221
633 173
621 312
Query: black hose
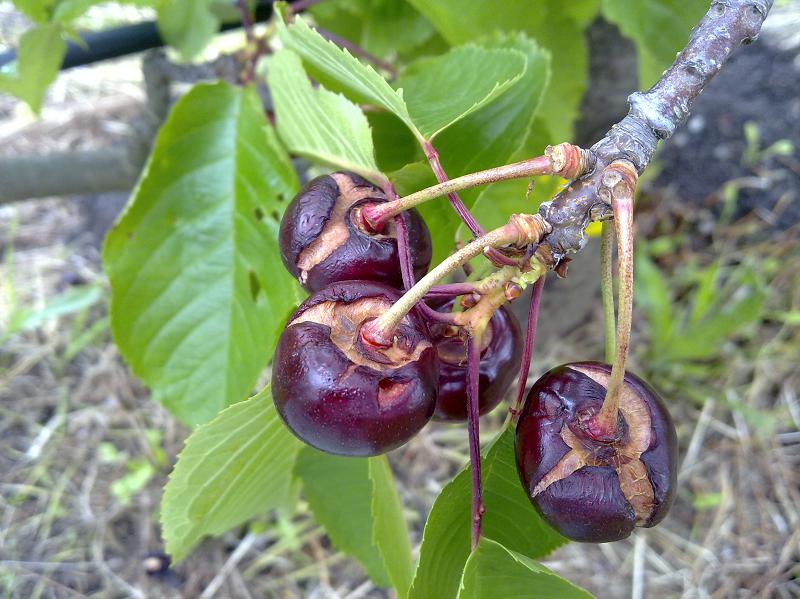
122 41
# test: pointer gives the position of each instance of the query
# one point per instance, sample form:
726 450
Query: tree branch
113 168
653 116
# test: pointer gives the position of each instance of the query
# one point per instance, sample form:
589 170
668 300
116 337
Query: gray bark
653 116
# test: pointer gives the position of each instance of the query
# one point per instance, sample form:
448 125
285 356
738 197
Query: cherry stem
407 272
496 257
378 214
527 351
249 30
473 417
521 230
247 19
564 160
301 5
455 201
451 290
607 288
403 249
622 204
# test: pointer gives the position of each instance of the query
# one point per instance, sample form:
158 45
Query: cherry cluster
337 390
344 390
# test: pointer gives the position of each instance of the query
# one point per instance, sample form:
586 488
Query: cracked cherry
591 489
501 351
323 238
342 395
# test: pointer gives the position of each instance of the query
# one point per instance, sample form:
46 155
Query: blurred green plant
754 154
702 322
139 470
693 318
74 301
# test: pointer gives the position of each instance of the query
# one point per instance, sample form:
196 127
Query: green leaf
413 177
39 57
188 26
494 571
393 27
582 12
706 292
319 124
703 339
565 40
395 145
490 136
363 517
438 215
390 533
462 21
339 70
659 28
38 11
381 27
232 468
340 17
510 519
345 513
198 292
442 90
557 26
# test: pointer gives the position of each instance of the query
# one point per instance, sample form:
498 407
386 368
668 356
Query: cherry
501 351
323 238
590 488
342 395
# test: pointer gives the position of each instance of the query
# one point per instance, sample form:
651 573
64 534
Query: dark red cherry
501 351
338 393
323 239
588 489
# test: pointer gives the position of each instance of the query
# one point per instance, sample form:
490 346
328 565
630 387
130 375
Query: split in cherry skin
588 489
338 393
501 351
323 238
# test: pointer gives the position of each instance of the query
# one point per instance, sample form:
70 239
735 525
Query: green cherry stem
520 231
565 160
495 257
607 288
621 181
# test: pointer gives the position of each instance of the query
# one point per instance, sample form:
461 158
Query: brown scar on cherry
596 487
346 397
345 321
335 232
624 457
324 238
